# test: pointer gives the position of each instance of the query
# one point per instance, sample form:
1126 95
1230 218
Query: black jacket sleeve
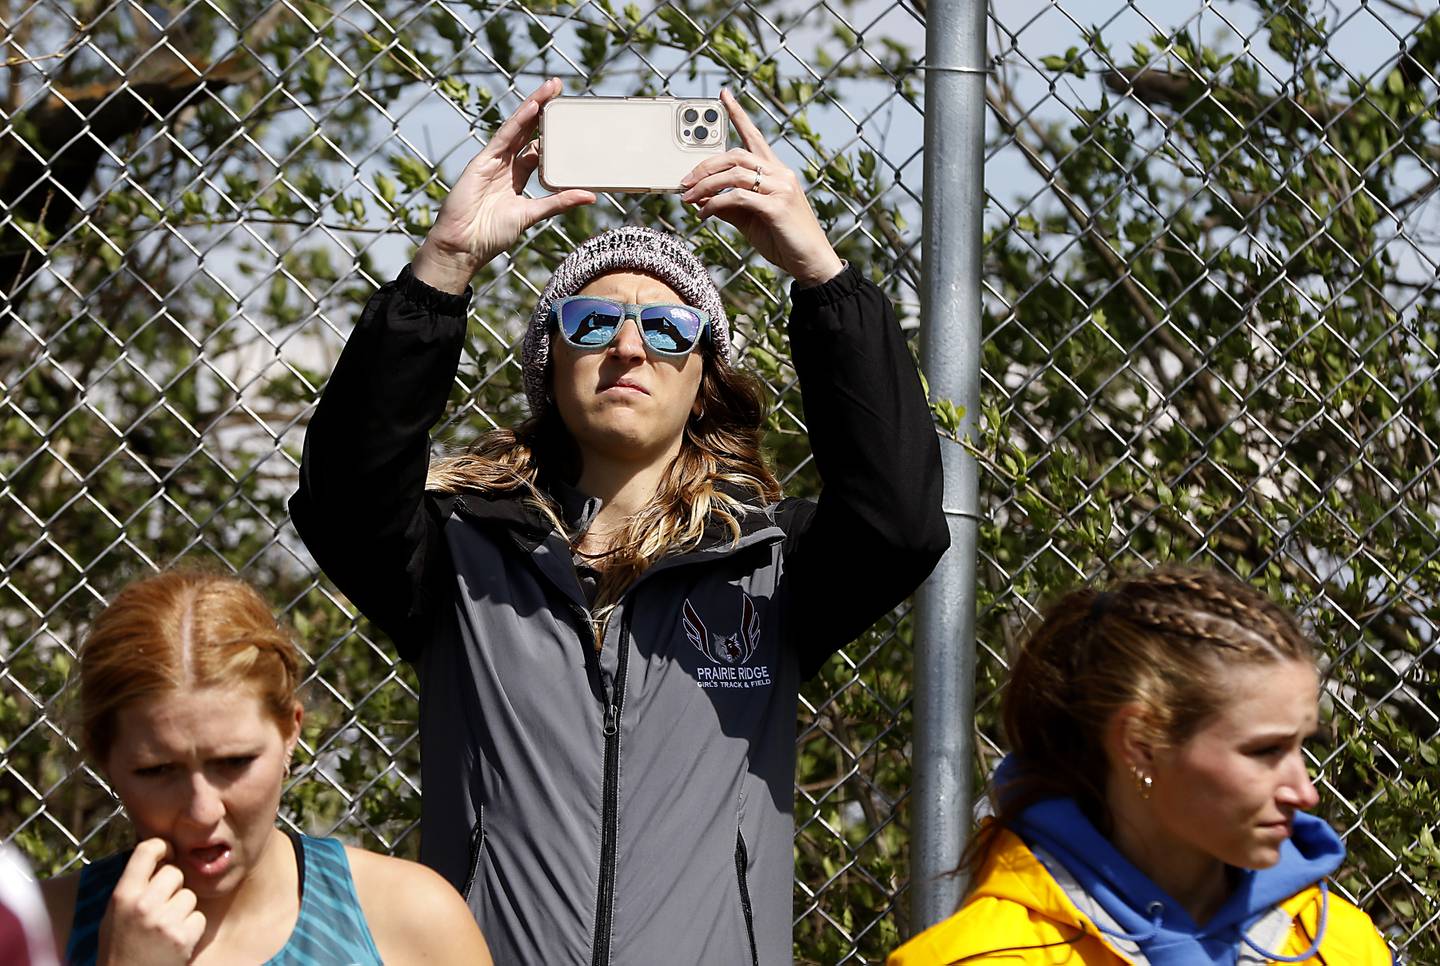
878 528
361 507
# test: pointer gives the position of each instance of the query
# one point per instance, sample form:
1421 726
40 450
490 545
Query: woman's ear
293 738
1130 739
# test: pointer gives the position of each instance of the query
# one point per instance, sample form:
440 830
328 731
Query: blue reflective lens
671 328
592 322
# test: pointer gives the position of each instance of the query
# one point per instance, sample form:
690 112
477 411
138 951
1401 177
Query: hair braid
1158 640
1211 608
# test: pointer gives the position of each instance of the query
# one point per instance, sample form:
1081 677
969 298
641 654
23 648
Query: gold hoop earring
1143 782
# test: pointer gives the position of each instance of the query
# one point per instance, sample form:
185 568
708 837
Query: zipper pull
610 724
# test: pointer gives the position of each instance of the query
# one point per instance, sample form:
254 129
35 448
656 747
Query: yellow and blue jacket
1019 913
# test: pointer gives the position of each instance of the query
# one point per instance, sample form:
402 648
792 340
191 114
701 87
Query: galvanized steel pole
950 357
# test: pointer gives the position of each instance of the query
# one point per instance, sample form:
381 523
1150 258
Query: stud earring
1143 782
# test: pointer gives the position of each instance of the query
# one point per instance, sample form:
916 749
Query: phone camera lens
691 115
711 116
702 133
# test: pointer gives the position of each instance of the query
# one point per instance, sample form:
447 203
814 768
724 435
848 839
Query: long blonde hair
720 450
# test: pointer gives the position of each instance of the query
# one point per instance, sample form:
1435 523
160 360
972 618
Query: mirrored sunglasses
590 322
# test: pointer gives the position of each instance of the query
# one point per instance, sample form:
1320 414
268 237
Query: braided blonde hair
1159 641
178 630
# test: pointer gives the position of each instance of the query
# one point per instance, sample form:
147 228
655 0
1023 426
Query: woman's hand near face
152 917
487 210
765 201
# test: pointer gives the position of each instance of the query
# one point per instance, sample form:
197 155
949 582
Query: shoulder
989 925
1349 936
792 513
413 913
1016 914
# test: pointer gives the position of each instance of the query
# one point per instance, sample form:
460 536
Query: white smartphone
628 144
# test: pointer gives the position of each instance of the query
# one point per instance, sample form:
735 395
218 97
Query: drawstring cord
1156 911
1319 933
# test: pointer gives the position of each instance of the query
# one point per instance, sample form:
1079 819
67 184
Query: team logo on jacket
729 654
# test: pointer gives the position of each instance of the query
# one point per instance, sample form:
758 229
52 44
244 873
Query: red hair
179 630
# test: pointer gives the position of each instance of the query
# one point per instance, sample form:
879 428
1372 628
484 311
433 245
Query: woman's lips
209 860
626 386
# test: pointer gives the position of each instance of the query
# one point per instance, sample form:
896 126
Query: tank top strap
92 898
332 927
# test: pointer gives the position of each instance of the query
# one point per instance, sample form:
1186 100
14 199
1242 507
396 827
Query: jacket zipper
610 807
477 846
742 862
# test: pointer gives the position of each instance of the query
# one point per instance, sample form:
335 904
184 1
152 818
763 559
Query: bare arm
414 915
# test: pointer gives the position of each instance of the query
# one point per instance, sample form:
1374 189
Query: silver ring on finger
758 173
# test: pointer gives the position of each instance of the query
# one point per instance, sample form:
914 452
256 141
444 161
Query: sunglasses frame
629 310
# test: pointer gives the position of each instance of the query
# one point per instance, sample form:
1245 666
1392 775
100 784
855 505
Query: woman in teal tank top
188 707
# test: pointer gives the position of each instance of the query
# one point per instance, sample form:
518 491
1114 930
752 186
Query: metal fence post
945 605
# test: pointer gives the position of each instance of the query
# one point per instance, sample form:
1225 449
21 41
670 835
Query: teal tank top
331 930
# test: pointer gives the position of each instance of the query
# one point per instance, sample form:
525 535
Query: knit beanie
631 248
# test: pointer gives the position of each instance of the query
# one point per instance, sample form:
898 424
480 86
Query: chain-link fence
1211 263
198 197
1211 269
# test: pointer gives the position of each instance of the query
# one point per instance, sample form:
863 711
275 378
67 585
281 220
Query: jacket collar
535 535
1013 872
511 510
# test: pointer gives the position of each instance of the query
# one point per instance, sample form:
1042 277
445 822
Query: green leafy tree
1210 335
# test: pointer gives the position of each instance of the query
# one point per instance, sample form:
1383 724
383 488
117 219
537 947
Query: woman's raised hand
487 210
766 202
152 917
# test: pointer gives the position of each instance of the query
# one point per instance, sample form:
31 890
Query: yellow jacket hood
1018 913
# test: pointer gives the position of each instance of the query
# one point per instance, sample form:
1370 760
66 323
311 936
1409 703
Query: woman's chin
624 438
1261 856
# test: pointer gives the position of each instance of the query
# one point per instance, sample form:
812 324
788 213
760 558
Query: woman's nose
629 341
205 806
1300 789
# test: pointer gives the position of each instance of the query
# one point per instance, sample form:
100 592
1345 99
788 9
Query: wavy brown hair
1159 641
719 456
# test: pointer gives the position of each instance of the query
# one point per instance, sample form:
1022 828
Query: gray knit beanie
629 249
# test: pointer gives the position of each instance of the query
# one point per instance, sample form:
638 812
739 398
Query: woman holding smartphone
188 708
610 606
1153 806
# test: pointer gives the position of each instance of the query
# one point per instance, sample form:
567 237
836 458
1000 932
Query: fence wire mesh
1210 314
1211 266
197 199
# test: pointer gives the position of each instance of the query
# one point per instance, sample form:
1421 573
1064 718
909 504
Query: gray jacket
634 805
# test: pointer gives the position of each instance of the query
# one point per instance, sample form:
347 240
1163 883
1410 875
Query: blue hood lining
1155 921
